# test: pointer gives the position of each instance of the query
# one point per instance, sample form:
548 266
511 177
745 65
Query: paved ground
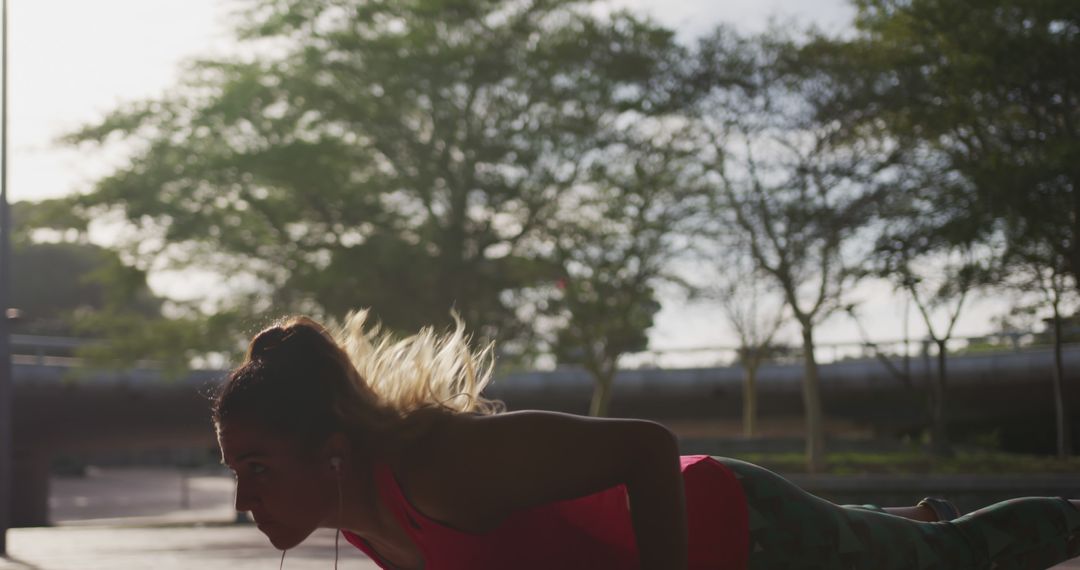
111 496
150 495
233 547
119 519
136 519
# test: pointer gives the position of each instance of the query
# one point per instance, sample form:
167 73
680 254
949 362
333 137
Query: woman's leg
794 530
1030 532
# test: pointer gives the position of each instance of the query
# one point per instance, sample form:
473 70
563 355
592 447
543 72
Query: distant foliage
402 156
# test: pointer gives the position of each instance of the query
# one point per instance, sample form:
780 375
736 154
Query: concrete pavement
231 547
144 519
155 518
175 548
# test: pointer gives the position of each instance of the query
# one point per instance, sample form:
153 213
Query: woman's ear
336 451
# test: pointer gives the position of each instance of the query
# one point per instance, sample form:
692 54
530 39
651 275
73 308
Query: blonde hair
425 370
303 380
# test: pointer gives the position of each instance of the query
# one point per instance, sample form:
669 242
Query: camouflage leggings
794 530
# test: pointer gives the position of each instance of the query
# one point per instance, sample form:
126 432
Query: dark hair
294 382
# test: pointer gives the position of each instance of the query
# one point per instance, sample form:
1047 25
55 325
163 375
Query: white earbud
335 463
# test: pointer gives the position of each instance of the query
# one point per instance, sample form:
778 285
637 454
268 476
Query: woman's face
288 490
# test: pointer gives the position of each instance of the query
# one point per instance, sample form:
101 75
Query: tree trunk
939 435
1064 443
601 397
749 411
812 408
1072 251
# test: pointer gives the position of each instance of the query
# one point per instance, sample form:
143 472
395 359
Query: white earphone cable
337 534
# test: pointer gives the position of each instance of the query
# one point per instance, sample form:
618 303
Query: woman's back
589 532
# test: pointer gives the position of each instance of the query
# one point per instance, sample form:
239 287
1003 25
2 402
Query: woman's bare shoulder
473 471
438 472
447 441
428 468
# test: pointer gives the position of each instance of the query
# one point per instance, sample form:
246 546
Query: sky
72 61
69 70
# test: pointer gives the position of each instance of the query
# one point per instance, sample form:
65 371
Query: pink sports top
588 533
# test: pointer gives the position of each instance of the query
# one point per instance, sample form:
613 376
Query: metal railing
62 351
47 350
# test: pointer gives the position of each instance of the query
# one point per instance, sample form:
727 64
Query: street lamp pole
6 390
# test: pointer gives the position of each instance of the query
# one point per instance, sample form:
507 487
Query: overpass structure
61 407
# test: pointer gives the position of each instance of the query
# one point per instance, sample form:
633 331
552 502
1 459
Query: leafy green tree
173 345
981 98
63 285
613 249
53 283
58 276
985 92
397 155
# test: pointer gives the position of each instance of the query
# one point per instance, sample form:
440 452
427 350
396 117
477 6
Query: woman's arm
491 466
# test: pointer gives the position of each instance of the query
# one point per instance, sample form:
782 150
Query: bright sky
74 60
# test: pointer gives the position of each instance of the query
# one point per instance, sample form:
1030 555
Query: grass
918 462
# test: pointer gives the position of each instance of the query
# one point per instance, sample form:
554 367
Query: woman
392 444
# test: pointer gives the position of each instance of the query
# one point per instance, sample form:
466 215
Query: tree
939 277
56 283
981 97
932 252
800 195
390 154
59 276
745 297
613 248
755 332
64 285
989 89
1032 268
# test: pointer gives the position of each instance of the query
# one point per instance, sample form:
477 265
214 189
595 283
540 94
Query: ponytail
300 379
420 371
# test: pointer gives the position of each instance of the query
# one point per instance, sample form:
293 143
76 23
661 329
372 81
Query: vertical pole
6 389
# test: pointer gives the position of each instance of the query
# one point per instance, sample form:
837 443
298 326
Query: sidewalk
234 547
226 547
160 531
150 518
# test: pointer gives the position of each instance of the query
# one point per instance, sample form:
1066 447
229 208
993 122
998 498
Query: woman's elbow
657 440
